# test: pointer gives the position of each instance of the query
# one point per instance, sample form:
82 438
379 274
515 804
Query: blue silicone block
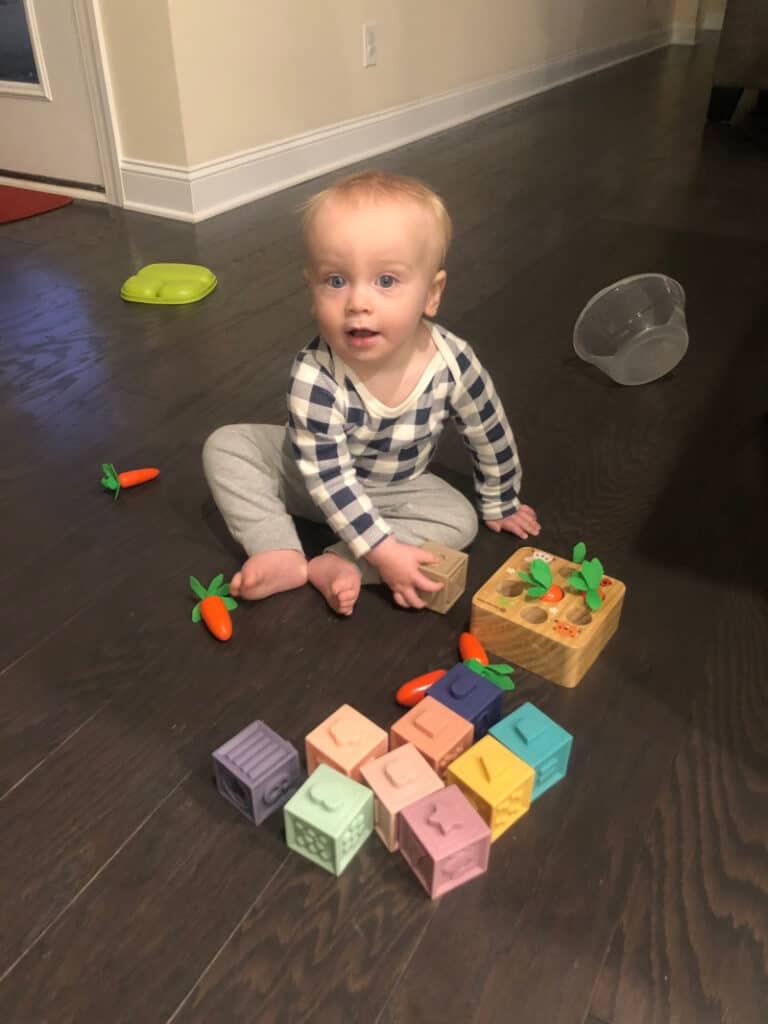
469 695
538 741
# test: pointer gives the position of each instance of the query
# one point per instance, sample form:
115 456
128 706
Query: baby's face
372 274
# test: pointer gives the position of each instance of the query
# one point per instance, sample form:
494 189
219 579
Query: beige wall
142 73
687 13
196 81
711 13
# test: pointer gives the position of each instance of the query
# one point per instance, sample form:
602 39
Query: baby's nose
358 298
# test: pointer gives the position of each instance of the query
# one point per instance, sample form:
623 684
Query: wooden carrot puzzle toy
519 614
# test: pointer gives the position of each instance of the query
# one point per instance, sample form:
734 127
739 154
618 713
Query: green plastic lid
169 284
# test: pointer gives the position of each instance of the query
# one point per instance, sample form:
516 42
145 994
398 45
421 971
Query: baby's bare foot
337 580
269 572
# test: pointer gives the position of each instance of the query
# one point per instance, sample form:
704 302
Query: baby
367 401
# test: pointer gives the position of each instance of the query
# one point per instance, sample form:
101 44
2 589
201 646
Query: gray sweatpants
258 488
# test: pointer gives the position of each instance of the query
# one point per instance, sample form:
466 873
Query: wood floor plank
176 882
691 941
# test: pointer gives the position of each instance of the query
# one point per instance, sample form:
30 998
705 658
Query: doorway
54 110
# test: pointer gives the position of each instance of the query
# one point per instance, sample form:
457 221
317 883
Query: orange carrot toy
214 606
114 481
470 647
410 693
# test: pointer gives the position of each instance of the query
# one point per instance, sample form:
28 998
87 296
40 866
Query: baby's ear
435 293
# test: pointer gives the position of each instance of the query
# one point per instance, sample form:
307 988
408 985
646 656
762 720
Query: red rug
18 203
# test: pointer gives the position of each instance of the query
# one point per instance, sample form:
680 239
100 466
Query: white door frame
90 30
91 38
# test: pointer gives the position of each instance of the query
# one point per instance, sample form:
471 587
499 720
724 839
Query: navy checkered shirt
343 438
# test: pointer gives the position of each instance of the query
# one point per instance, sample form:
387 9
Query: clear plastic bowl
635 329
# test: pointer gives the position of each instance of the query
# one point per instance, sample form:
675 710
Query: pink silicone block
444 840
345 741
437 732
397 779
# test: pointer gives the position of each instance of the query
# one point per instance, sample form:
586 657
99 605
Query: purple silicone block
469 695
257 771
444 840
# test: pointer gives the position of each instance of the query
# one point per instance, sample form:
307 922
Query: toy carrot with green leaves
470 647
214 606
540 584
588 578
114 481
473 655
499 675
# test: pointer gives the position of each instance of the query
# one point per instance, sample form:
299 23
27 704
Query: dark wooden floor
635 892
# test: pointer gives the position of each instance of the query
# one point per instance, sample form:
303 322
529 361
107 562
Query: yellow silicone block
345 741
496 782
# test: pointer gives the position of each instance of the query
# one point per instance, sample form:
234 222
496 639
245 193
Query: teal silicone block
329 818
538 741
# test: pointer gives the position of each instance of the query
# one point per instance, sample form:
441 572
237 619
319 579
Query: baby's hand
399 566
523 522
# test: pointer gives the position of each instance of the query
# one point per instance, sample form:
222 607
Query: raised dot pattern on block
352 835
450 757
314 842
509 810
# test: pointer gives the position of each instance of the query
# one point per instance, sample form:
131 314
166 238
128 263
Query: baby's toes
236 584
344 598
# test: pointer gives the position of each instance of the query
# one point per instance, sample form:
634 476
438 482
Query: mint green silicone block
329 818
169 284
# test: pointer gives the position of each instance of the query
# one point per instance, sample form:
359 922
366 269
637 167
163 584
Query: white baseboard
196 193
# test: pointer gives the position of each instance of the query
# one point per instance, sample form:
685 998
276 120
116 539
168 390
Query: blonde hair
381 185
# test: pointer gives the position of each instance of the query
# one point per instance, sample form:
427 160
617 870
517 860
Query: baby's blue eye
336 281
386 280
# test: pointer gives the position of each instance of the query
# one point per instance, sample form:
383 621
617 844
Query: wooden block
451 570
559 642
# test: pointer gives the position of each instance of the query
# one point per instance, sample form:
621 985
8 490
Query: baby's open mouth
361 332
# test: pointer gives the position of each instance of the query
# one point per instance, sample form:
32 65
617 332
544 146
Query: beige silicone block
451 571
397 779
559 642
345 741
